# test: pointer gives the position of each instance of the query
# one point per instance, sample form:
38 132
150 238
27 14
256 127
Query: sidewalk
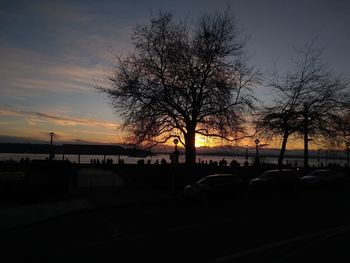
25 215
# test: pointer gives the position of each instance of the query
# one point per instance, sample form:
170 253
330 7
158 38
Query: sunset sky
53 52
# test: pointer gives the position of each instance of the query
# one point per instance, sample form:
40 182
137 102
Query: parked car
215 186
275 180
324 177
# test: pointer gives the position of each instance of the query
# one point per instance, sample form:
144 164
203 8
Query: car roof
322 170
219 175
278 171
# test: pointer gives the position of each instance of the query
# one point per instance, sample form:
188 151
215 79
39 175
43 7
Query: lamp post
175 160
306 135
176 141
52 155
348 153
176 152
51 137
246 153
257 151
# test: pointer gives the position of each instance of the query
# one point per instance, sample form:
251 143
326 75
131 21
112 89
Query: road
257 227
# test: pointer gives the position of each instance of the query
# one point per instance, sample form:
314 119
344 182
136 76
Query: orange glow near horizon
203 141
293 144
106 136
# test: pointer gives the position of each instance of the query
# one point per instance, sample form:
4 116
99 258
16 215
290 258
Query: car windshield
325 173
205 180
276 173
216 179
320 173
270 174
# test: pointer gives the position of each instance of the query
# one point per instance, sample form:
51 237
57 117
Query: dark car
215 186
324 177
275 180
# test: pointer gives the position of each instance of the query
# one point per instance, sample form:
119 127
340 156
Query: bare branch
182 78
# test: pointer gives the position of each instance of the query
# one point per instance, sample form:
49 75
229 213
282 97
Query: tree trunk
283 150
190 149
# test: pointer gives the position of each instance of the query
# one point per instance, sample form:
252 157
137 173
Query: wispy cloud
62 12
52 54
21 69
60 120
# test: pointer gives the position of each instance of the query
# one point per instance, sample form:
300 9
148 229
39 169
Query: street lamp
175 155
176 141
347 152
52 155
51 137
246 153
257 151
306 135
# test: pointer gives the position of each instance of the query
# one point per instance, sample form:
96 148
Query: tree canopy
184 79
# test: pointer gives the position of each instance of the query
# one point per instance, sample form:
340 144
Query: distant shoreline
114 150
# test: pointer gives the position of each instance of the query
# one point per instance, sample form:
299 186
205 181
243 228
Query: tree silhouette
342 125
310 100
183 79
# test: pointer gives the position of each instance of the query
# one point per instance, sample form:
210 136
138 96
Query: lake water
153 159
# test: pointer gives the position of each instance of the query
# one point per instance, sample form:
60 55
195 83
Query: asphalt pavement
257 227
19 215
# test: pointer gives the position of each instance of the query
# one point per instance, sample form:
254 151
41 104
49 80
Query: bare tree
184 79
342 124
310 100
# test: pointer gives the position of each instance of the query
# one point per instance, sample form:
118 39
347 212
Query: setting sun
202 141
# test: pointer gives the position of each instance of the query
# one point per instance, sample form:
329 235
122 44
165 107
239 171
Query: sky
52 53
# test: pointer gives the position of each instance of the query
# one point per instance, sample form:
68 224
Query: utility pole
306 136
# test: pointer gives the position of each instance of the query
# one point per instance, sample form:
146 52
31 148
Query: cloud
23 70
18 139
7 112
64 49
61 12
34 117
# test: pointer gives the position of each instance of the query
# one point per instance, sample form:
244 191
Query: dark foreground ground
298 226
